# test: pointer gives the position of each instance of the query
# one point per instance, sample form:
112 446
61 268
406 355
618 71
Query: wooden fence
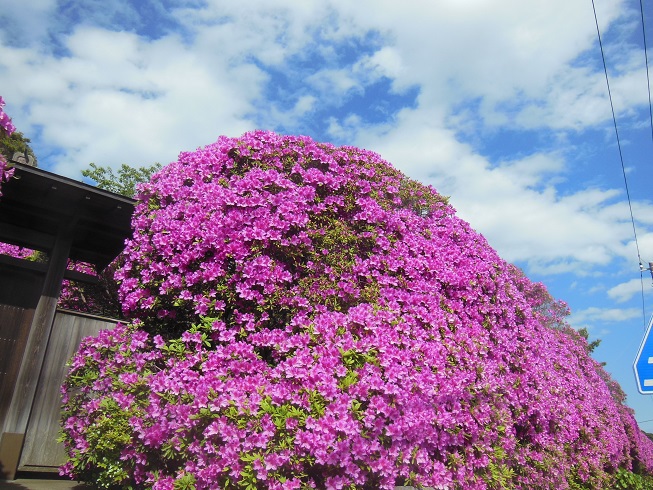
14 327
40 451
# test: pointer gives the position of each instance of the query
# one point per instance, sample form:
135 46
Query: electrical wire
621 157
650 113
648 79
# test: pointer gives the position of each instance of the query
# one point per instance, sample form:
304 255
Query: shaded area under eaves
36 204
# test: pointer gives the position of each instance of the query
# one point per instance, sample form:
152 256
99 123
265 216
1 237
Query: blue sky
500 104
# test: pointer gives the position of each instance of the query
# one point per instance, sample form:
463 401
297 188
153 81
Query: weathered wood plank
41 448
14 328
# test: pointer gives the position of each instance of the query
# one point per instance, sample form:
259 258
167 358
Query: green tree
16 142
586 335
102 298
124 181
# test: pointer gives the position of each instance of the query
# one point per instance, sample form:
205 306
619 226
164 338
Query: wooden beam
26 237
80 277
42 268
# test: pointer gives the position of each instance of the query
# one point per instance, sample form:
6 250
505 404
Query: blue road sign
644 363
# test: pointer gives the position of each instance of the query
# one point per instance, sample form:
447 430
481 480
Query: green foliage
17 142
186 482
124 182
100 461
590 345
628 480
413 196
500 475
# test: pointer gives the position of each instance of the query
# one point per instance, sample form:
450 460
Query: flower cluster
305 316
6 127
16 251
5 121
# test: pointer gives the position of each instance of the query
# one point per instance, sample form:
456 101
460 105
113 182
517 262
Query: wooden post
17 416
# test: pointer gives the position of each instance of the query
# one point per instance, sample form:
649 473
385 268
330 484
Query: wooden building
66 219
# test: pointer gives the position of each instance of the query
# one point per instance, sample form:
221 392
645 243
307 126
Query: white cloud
348 128
499 51
532 170
386 62
267 31
627 290
334 83
592 316
119 98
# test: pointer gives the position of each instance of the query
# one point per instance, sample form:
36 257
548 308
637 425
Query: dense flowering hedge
305 316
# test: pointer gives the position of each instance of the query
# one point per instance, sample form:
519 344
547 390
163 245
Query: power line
648 80
621 158
650 113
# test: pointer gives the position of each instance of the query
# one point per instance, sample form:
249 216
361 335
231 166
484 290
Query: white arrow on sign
649 382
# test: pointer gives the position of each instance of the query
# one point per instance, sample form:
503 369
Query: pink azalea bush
6 127
305 316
